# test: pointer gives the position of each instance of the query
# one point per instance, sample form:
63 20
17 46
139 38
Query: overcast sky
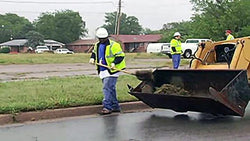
151 13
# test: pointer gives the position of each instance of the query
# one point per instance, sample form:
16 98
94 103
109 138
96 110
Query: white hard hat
177 34
101 33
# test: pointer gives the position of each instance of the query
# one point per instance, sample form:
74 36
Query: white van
154 47
158 48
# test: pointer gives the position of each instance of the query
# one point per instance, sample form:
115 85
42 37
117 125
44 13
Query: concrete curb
67 112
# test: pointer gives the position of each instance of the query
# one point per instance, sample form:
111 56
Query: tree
128 24
147 31
169 29
64 26
211 19
34 39
214 17
13 27
245 31
45 25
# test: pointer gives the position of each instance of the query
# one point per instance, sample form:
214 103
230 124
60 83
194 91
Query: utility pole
118 20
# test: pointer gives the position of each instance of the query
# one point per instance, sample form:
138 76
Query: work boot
105 111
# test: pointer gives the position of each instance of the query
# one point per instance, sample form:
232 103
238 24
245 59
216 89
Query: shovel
143 75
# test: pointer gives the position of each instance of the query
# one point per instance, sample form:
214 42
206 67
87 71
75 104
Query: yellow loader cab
216 83
231 54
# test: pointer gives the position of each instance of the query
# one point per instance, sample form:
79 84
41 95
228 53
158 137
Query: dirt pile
171 89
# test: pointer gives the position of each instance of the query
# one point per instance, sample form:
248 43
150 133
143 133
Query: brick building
19 45
136 43
129 43
82 45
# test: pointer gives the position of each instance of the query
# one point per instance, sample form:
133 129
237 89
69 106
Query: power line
37 12
50 2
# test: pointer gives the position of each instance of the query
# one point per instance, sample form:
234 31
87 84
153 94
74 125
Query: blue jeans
110 101
176 58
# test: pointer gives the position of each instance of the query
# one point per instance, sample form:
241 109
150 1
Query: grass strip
58 92
48 58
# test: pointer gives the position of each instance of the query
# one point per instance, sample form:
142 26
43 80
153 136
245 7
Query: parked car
63 51
41 49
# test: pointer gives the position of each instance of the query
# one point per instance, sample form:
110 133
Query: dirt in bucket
171 89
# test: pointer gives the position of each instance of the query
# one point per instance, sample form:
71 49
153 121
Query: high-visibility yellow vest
113 49
177 45
230 37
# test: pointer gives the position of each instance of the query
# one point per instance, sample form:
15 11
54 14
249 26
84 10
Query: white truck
188 47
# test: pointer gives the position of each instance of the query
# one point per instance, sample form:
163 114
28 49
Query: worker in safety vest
176 50
229 35
108 53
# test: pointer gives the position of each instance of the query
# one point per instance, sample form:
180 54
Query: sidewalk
67 112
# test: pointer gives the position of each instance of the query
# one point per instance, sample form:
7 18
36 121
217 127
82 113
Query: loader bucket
219 92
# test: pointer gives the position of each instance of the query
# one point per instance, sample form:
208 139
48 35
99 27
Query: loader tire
187 54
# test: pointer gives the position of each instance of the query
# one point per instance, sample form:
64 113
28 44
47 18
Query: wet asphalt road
156 125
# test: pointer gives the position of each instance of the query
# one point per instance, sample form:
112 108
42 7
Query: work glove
112 66
92 61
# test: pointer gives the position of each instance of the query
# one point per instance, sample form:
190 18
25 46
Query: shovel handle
99 64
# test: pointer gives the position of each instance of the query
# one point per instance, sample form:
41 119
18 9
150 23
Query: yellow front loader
232 54
217 81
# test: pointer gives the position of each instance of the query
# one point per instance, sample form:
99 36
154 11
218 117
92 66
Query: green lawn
58 92
45 58
48 58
